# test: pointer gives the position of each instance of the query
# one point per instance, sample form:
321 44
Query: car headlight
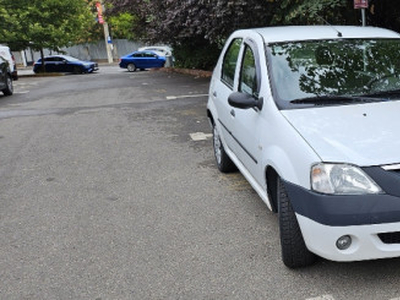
342 179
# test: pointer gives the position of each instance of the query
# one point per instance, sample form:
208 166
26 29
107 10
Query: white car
6 53
160 50
310 115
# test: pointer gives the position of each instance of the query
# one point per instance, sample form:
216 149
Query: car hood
365 134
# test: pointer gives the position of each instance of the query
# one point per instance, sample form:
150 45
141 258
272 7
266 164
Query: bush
196 54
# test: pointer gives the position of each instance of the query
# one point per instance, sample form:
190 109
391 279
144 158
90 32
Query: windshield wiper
324 100
385 93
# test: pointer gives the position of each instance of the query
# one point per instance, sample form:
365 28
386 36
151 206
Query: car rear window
230 61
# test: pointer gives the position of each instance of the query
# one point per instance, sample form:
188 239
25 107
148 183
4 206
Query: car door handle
215 94
232 112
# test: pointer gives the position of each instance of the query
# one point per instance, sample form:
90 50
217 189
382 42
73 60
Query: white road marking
200 136
323 297
186 96
330 297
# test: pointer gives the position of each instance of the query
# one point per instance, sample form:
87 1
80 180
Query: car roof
320 32
141 51
159 48
68 57
5 50
144 51
56 55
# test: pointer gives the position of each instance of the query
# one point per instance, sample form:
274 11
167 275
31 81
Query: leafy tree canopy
192 25
40 24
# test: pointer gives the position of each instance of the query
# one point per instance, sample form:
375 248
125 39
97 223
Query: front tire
294 251
77 70
9 90
131 67
224 162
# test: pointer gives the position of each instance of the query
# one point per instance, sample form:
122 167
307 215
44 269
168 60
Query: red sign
99 12
360 4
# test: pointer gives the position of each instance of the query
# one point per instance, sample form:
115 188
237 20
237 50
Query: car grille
390 237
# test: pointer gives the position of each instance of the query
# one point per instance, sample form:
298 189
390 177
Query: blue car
65 64
141 60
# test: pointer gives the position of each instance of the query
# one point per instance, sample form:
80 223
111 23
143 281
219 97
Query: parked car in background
162 51
6 82
310 116
65 64
141 60
6 53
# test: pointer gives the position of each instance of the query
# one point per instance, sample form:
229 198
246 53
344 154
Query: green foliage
121 25
209 22
312 12
43 24
196 54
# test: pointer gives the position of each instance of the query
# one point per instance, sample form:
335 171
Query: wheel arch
271 177
210 117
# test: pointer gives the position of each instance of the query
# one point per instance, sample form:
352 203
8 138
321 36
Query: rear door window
230 62
248 82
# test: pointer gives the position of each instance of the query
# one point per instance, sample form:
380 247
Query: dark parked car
6 83
65 64
141 60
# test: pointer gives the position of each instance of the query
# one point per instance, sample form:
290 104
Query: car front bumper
371 221
367 241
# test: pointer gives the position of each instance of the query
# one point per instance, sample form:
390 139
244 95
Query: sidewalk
25 71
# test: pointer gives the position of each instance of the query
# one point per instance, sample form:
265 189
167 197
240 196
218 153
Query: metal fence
88 51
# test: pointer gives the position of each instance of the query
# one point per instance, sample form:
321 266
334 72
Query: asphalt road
109 190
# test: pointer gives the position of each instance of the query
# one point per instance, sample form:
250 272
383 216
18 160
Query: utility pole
361 4
107 38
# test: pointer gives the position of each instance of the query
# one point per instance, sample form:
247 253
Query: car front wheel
294 251
9 90
131 67
77 70
224 162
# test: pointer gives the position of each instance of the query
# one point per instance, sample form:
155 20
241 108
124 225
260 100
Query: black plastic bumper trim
336 210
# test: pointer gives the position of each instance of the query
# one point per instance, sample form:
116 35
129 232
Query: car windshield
342 71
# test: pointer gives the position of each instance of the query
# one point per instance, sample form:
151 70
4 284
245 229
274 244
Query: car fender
287 151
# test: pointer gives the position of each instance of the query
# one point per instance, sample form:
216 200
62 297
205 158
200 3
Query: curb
193 72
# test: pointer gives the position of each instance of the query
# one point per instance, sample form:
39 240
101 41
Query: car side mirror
244 101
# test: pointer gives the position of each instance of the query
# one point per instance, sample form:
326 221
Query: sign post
100 10
361 4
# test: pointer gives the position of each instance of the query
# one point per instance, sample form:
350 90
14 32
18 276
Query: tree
121 26
43 24
197 29
313 12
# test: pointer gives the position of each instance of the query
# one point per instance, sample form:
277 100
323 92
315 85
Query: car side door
221 87
248 124
49 64
150 59
137 59
60 65
3 72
